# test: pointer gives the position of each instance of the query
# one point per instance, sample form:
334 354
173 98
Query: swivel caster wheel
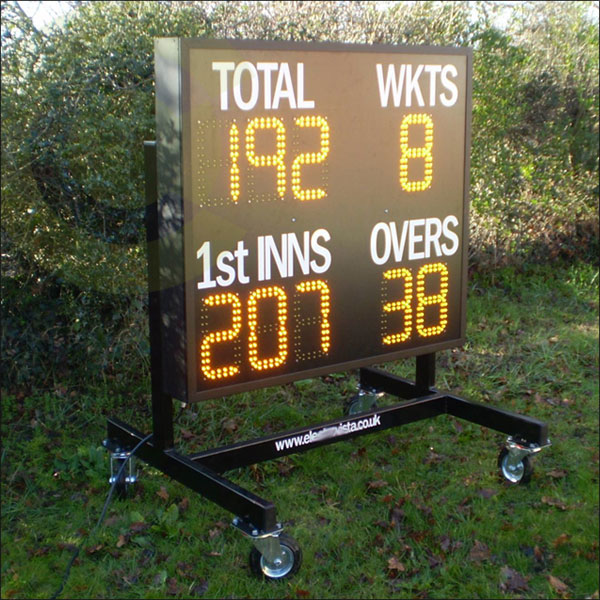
514 468
283 566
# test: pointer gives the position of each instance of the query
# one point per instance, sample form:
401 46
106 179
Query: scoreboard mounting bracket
252 282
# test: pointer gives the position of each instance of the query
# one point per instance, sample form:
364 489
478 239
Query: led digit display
313 208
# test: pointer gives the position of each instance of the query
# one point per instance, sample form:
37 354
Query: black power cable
102 515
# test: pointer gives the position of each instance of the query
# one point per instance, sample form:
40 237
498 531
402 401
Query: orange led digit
216 337
269 160
310 158
407 152
261 364
400 305
323 288
234 170
424 300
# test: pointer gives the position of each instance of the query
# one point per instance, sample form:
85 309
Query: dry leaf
302 593
396 517
374 485
512 581
162 493
184 504
186 434
539 555
557 473
395 565
173 587
554 502
563 538
121 541
229 425
557 585
479 552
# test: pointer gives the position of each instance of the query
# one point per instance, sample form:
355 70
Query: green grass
438 509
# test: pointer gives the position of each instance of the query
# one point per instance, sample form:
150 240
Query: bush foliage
77 103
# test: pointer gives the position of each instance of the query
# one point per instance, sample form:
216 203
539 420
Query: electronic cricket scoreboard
313 208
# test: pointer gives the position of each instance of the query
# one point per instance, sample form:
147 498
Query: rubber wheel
514 473
122 487
292 559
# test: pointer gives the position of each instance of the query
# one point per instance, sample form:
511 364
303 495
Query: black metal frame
201 472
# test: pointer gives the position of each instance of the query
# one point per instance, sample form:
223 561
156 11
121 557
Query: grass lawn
417 511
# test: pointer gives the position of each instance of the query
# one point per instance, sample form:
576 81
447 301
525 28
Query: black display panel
314 208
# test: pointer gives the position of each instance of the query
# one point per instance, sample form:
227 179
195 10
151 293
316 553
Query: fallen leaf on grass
185 569
433 458
396 518
42 551
173 587
229 425
138 526
479 552
557 473
377 484
302 593
557 585
94 549
162 493
554 502
122 541
563 538
200 589
512 581
434 560
487 493
186 434
184 504
69 547
539 555
418 536
395 566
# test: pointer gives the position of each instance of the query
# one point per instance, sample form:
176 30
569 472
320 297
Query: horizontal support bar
388 383
520 427
198 477
314 436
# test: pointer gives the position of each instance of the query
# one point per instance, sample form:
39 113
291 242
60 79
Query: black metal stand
202 471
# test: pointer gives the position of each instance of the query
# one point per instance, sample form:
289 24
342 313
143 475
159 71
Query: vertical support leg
162 405
425 376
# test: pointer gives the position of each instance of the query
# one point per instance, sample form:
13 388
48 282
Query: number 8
406 152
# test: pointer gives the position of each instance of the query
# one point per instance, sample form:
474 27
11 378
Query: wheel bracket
518 449
267 543
117 457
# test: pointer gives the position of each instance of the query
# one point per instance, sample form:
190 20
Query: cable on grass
102 515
